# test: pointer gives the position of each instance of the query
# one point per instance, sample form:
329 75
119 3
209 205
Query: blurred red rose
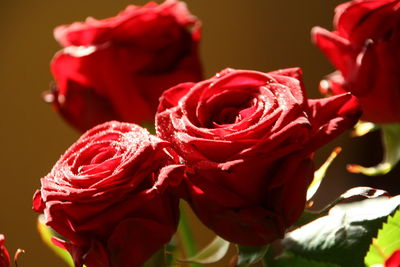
393 260
248 138
364 47
4 256
108 196
117 68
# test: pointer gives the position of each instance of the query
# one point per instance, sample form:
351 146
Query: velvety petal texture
117 68
247 139
364 48
4 255
108 196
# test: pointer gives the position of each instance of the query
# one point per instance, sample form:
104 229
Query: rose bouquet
238 147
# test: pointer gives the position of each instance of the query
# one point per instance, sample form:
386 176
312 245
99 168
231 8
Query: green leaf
290 260
249 255
46 233
213 252
342 236
387 241
357 193
320 173
364 127
391 145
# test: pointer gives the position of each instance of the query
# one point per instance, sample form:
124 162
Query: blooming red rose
393 260
117 68
4 255
364 47
108 196
247 139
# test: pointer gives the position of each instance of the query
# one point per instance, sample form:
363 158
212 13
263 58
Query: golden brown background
254 34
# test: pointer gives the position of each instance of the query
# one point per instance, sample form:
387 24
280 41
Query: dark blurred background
259 34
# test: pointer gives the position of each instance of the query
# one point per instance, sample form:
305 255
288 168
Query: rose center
233 114
93 156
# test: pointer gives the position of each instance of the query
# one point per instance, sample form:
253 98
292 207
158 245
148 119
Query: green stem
264 262
186 236
268 258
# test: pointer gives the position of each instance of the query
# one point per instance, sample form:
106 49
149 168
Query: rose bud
4 255
248 139
108 197
364 48
117 68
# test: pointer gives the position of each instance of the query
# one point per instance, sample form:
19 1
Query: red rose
117 68
108 197
365 49
247 139
4 256
393 260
